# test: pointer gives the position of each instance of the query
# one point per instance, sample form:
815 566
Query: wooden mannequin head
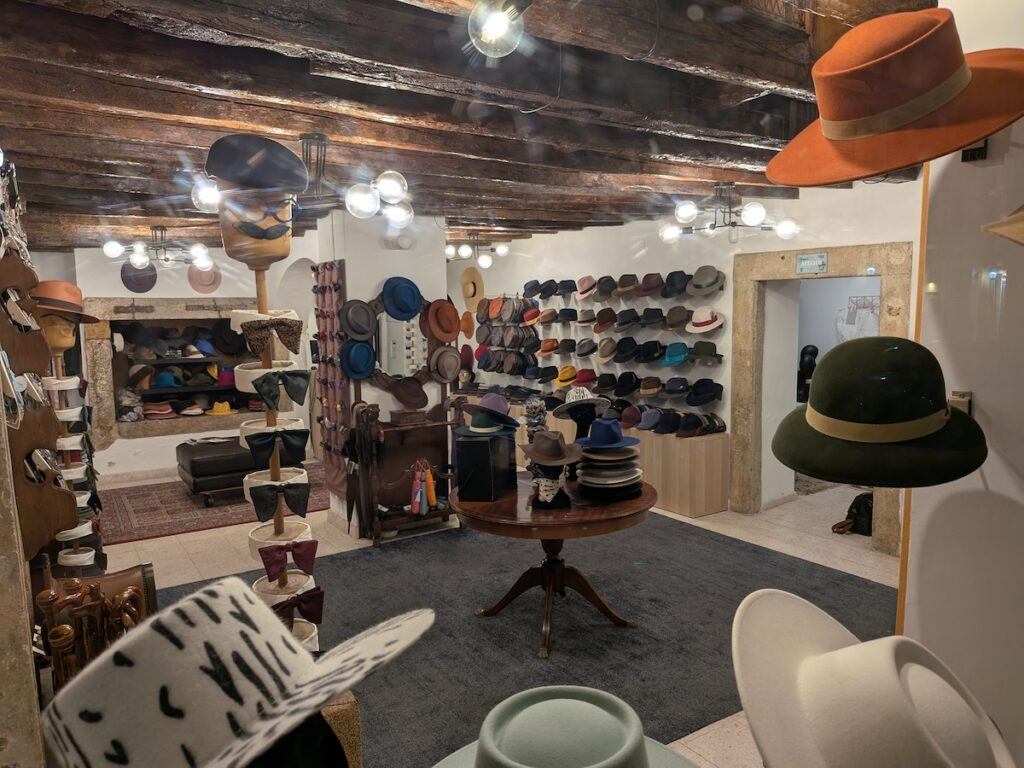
58 330
256 226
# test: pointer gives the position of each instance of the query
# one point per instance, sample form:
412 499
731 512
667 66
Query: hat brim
466 431
70 314
625 442
572 455
956 450
658 756
624 478
337 671
499 417
707 290
992 100
1010 228
600 406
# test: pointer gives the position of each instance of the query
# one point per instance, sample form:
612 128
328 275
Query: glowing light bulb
391 186
686 211
465 251
670 232
201 258
495 30
362 201
139 258
753 214
205 195
449 251
484 260
399 215
502 249
787 229
113 249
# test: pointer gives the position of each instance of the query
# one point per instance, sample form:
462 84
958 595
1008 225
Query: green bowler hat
877 415
564 726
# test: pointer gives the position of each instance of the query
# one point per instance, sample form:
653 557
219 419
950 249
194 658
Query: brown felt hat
409 392
547 347
548 316
445 364
650 285
605 319
897 91
627 284
466 325
62 298
441 321
677 316
550 449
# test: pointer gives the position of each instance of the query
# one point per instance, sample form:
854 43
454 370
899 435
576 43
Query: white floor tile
727 743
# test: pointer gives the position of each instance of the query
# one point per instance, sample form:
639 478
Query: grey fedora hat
560 726
705 281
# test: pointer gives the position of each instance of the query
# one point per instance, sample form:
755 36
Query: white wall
966 570
54 265
865 214
782 316
823 305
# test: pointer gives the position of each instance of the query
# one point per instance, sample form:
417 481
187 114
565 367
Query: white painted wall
822 301
966 570
54 265
782 317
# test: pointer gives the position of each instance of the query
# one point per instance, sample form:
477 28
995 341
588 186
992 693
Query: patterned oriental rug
167 509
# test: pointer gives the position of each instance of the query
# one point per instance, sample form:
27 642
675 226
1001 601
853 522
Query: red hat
585 377
480 352
466 357
531 316
897 91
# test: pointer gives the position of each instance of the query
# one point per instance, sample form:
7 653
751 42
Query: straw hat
472 287
1012 227
817 697
704 320
896 91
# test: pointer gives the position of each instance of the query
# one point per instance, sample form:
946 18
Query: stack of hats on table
535 417
158 411
610 466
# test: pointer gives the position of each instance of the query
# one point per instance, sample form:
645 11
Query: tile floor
801 528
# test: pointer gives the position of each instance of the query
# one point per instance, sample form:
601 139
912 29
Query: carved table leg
533 577
577 581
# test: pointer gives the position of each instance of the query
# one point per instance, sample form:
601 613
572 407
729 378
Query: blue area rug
682 585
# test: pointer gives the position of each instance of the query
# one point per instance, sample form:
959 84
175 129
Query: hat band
900 115
47 302
702 323
857 432
483 430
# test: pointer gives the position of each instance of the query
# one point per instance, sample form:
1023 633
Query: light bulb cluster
484 256
141 254
206 196
724 215
386 195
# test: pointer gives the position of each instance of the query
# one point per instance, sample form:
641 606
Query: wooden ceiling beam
387 44
49 230
243 76
719 44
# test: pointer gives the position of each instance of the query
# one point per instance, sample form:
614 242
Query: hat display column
259 179
58 311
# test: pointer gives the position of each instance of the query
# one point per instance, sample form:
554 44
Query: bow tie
268 387
258 333
293 445
308 604
264 498
275 557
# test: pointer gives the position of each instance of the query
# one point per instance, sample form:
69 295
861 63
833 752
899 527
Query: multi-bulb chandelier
721 212
484 255
159 248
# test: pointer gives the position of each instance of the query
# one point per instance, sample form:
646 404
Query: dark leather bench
211 465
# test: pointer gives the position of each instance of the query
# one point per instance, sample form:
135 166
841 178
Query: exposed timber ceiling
612 111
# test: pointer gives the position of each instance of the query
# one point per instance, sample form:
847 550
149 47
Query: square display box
485 467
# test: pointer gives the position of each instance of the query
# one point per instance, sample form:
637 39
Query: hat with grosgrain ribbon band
877 415
275 557
264 498
309 605
897 91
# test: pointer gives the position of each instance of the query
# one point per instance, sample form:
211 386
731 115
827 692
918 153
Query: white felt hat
816 697
212 680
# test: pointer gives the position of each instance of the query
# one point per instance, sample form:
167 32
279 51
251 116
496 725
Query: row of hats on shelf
705 281
625 350
439 321
700 392
678 318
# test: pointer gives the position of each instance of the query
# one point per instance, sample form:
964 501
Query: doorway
770 281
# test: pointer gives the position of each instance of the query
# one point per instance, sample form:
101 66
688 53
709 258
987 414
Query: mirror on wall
401 347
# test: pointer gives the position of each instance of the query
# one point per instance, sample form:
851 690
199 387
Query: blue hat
165 379
205 347
402 299
676 353
649 419
357 359
606 433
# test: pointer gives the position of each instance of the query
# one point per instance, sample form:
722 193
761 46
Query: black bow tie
264 499
268 387
293 445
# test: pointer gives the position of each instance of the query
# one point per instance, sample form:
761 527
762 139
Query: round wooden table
514 516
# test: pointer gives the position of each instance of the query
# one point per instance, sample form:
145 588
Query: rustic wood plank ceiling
611 111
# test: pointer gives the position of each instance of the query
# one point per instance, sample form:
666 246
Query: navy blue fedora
606 433
357 359
402 299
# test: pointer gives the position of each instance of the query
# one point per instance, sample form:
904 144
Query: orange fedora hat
897 91
62 298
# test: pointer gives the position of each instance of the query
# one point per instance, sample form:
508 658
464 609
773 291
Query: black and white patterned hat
209 682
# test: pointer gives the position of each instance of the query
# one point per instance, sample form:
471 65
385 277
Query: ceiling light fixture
496 26
113 249
465 251
362 201
165 251
139 259
484 260
391 186
399 215
206 196
449 251
725 213
502 249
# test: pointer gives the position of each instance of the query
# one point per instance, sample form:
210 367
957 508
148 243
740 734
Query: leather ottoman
215 464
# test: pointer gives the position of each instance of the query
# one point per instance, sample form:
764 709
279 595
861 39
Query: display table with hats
513 515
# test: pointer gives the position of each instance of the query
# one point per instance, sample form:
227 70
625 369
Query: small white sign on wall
812 263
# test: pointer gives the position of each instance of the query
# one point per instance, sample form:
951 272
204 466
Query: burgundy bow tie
309 604
275 557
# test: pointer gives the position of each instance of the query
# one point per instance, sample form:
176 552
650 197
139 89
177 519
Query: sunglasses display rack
331 401
45 504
